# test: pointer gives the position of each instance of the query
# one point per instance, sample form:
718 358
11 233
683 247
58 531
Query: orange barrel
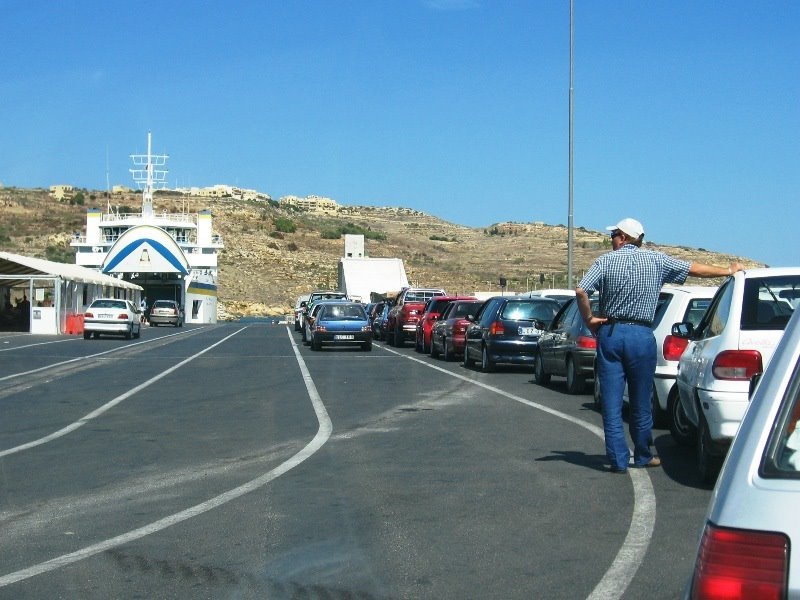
79 324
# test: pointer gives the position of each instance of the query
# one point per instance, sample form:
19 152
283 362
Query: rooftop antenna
149 178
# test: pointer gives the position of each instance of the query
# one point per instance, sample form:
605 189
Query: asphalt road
231 461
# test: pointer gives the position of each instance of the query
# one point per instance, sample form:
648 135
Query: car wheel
468 362
417 344
448 352
434 349
708 462
367 346
138 332
682 430
575 382
487 366
597 397
315 343
541 377
397 338
129 333
87 335
659 418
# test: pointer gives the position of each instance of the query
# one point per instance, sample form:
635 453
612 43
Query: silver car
748 547
166 312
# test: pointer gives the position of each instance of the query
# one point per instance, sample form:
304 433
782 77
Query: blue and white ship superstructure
172 256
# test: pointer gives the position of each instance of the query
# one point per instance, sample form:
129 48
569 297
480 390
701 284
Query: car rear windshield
528 311
438 306
769 302
109 304
421 295
462 309
163 304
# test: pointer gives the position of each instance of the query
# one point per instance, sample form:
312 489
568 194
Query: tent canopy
17 270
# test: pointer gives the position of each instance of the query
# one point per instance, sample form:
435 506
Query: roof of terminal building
16 269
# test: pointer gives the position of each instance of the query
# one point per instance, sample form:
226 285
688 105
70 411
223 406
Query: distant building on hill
61 191
312 203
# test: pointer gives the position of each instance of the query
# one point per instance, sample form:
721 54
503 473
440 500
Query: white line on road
322 436
113 350
631 554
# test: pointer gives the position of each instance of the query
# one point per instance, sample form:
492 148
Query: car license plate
529 331
104 316
344 336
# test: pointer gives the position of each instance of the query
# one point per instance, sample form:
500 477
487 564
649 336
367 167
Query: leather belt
623 321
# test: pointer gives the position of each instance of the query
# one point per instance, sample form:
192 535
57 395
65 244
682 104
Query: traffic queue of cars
727 381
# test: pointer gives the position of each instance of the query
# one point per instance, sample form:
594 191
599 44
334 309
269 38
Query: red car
434 309
407 309
447 334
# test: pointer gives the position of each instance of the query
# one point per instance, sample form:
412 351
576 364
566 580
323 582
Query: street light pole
570 240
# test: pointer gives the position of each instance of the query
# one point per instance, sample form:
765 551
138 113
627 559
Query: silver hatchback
166 312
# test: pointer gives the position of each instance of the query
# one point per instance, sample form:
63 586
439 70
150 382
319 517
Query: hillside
263 270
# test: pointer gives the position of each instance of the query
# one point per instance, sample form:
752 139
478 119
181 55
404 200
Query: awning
17 270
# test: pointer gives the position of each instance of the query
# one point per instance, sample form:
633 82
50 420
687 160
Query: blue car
341 324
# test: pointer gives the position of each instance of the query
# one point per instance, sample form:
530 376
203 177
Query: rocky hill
273 254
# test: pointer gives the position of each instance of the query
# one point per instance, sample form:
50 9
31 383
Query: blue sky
686 113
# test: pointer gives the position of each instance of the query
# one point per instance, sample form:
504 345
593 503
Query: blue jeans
626 353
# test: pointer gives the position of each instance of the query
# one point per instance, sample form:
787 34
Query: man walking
629 280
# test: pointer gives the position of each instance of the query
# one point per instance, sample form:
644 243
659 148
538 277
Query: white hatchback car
111 316
676 303
733 342
748 547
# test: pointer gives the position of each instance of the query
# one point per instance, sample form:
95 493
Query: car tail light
737 563
460 327
88 315
586 341
674 346
496 328
738 365
123 317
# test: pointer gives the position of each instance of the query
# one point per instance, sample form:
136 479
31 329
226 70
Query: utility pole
570 240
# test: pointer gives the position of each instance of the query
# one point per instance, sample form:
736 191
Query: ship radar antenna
147 176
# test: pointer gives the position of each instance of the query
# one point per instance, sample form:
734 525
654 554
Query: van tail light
586 342
737 365
674 346
739 563
496 328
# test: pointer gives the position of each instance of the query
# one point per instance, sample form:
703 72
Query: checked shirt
630 279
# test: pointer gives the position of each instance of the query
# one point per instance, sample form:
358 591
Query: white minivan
733 342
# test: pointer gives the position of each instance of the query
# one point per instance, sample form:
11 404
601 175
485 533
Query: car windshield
118 304
462 309
528 311
769 301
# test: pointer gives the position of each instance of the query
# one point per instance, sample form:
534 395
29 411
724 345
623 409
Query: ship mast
147 176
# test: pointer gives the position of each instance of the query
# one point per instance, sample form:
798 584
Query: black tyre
398 341
682 430
87 335
709 462
449 355
575 382
597 397
129 333
367 346
468 362
487 366
434 349
539 374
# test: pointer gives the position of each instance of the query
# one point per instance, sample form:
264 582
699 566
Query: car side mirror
683 330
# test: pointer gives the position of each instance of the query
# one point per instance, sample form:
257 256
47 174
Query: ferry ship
172 256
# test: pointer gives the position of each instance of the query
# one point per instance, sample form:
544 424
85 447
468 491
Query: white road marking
632 552
72 360
108 405
36 344
322 436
